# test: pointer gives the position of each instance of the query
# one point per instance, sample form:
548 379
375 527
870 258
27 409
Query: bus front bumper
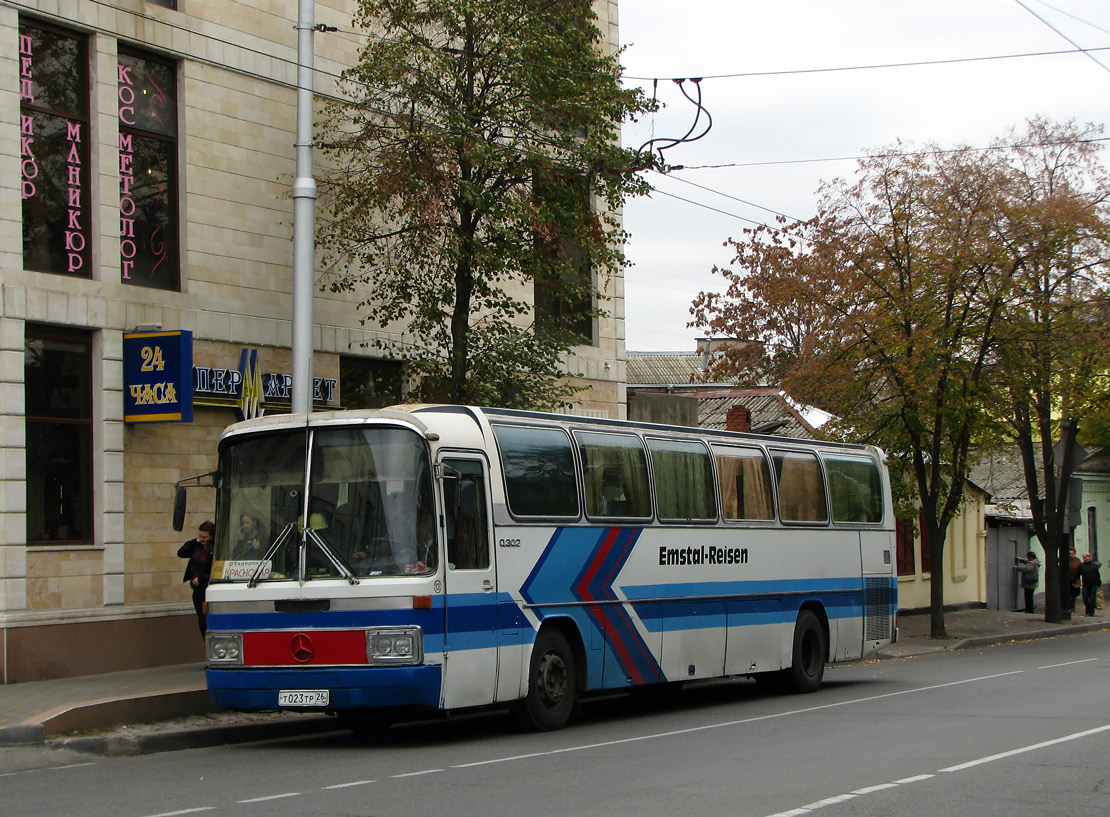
258 688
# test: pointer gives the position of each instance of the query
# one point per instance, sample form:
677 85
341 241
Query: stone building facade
147 148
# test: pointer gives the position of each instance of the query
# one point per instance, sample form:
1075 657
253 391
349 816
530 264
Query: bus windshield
367 498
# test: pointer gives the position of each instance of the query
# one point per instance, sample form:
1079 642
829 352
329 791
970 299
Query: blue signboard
158 377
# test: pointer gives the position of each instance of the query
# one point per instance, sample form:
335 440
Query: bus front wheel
807 666
552 683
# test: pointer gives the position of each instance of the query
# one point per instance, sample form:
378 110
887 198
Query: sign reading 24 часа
158 377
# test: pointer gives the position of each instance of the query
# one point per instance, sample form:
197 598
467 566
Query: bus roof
420 417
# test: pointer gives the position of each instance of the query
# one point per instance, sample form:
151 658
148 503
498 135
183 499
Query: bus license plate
303 697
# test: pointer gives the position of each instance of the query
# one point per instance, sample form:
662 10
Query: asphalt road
1017 729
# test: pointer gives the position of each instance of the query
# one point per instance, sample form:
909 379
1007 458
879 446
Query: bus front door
472 635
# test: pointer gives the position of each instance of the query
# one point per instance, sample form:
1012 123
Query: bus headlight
394 645
224 648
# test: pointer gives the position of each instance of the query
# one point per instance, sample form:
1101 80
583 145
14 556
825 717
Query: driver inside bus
395 551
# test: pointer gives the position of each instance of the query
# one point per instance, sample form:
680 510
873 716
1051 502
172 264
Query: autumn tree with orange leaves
900 307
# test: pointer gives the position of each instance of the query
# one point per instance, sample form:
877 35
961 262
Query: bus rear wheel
552 684
807 666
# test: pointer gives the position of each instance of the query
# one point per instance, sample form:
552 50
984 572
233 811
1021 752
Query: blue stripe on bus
430 621
770 587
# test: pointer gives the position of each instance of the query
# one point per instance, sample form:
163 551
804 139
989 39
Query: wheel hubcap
552 678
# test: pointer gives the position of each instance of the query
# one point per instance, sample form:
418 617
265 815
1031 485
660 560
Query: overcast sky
771 128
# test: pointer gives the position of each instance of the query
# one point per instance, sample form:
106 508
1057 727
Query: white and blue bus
439 557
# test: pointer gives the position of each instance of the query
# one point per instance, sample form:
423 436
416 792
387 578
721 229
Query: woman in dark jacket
198 570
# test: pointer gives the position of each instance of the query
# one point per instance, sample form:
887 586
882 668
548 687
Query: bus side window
683 481
615 475
745 484
856 489
801 488
467 531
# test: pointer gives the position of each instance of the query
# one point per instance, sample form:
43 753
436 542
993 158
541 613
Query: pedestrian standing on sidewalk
198 569
1073 576
1029 570
1092 581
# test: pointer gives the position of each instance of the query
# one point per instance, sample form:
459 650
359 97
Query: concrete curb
1032 635
927 646
108 712
117 745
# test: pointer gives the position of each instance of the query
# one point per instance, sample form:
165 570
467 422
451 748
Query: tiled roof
1001 475
662 368
771 412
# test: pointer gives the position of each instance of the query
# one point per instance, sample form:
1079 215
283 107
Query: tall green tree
475 178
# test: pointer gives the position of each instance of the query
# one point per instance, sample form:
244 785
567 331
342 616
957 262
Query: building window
54 147
903 535
148 230
368 383
57 377
563 287
170 4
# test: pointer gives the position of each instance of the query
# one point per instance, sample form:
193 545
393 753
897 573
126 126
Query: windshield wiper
269 555
344 571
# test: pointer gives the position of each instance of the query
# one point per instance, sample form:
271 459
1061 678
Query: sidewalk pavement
164 708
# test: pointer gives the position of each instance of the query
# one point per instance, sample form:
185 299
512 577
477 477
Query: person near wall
1029 571
1076 584
1092 581
198 569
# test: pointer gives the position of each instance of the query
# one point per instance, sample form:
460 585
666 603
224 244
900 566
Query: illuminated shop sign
162 384
157 377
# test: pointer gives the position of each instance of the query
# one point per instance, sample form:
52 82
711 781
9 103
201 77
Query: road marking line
695 729
348 785
958 768
873 789
829 801
45 769
415 774
272 797
1069 663
1044 745
915 779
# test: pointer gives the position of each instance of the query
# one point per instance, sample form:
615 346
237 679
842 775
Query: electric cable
1063 35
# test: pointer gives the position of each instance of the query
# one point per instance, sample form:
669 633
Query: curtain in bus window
745 485
614 475
801 489
683 480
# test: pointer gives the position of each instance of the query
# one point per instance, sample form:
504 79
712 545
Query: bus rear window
856 489
538 465
801 489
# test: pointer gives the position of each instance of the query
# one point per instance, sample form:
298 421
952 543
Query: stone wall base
43 652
